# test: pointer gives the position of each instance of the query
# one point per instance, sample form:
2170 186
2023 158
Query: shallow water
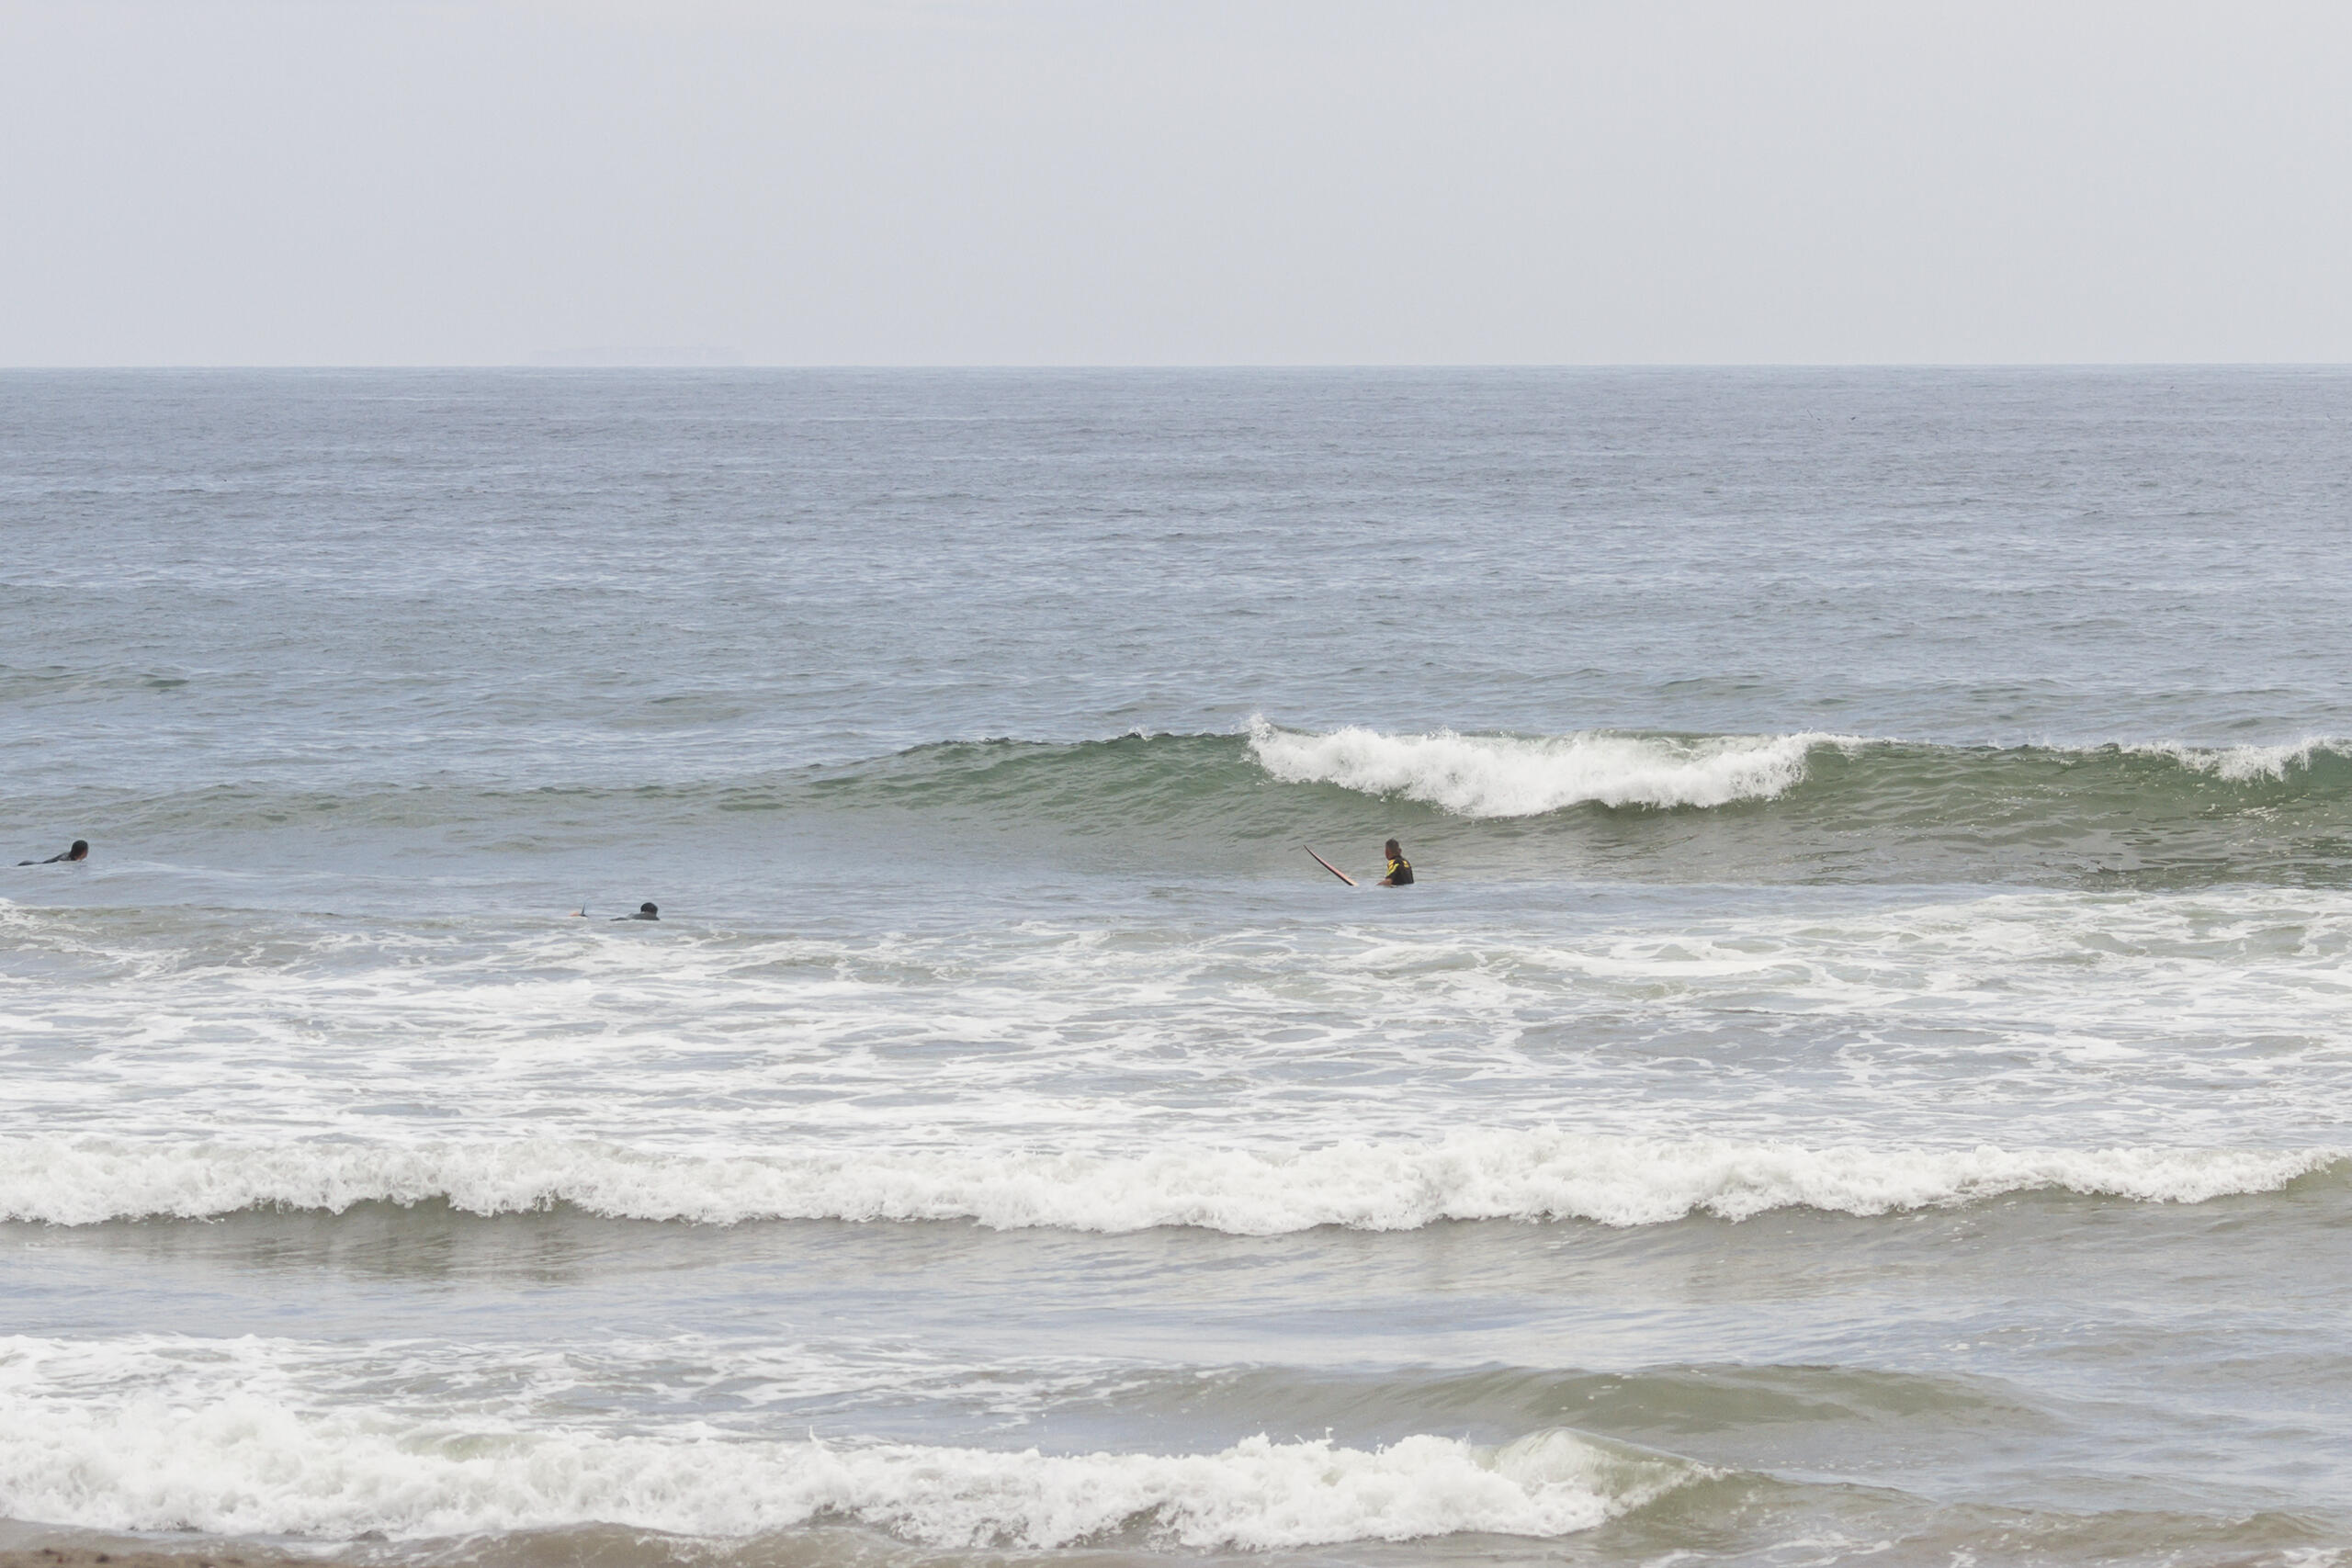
1861 1073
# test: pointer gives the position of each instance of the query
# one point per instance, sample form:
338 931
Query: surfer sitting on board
80 852
1400 870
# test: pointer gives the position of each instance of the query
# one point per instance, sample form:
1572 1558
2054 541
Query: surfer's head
81 850
1394 850
649 910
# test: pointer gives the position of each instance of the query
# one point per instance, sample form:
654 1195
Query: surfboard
1334 870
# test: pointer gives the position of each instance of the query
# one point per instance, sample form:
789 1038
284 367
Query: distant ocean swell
1488 1175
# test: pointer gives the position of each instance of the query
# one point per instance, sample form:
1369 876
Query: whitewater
1508 776
1864 1072
1519 1177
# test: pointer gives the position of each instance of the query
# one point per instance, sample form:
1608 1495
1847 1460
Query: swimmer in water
645 911
1400 870
80 852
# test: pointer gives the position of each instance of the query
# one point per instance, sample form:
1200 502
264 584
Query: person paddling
80 852
1400 870
645 911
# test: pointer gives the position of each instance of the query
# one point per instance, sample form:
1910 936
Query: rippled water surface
1861 1073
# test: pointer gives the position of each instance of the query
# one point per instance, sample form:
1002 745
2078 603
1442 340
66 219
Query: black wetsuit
1400 873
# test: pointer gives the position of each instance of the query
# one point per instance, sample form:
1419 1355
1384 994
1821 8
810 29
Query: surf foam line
1482 775
1513 1174
247 1465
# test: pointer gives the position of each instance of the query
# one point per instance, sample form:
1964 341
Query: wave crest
2246 765
1469 1176
1477 775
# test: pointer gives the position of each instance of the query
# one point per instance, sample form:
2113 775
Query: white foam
2240 764
237 1452
2207 1019
1513 1174
1482 775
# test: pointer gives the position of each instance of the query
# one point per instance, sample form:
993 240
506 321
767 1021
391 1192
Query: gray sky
1046 181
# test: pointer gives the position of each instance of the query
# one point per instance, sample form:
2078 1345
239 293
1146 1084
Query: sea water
1862 1074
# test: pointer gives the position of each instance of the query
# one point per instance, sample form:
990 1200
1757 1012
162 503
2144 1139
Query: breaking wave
1116 785
246 1464
1526 1175
1508 776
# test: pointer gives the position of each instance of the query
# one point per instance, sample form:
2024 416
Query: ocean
1863 1074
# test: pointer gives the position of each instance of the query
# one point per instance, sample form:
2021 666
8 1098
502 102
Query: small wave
1475 775
245 1464
2244 764
1363 1185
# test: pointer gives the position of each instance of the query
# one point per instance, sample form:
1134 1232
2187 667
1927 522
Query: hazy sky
1040 182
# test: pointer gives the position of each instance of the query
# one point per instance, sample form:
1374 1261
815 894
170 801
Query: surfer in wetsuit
1400 870
648 910
80 852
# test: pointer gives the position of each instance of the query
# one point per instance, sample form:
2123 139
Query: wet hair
1393 849
81 847
649 908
